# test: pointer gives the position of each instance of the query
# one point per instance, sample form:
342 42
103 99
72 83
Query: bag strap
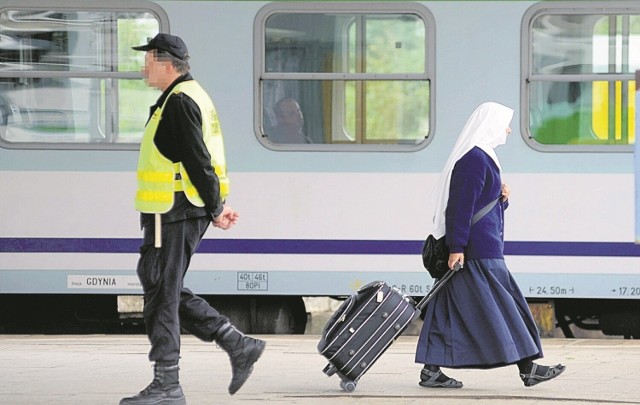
484 211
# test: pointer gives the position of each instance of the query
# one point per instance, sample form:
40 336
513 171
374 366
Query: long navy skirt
479 319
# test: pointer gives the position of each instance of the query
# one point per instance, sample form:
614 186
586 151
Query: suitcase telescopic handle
437 286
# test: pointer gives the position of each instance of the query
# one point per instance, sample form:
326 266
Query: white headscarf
486 129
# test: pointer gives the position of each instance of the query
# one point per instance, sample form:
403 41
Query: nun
479 319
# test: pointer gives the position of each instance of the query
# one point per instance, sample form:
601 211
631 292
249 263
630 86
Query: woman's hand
506 191
455 258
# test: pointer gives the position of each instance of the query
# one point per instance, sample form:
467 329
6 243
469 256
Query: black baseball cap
166 43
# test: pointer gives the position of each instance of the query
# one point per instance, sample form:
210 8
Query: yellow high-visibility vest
157 175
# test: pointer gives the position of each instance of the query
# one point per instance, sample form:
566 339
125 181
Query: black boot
243 352
164 389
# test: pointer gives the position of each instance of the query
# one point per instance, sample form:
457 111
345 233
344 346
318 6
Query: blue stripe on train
309 246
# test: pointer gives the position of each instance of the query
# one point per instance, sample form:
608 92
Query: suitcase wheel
348 386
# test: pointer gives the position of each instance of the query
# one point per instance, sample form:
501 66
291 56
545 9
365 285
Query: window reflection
72 77
586 108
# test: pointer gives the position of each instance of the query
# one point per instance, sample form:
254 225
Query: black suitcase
365 325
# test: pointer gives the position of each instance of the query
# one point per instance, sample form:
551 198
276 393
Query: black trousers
168 306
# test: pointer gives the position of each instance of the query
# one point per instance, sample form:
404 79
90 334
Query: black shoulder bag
435 253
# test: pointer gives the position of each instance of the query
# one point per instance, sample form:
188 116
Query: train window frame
113 76
337 79
529 77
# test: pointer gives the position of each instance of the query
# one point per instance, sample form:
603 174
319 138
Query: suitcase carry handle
370 286
437 286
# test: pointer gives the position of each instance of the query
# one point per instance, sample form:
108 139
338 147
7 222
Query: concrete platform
100 369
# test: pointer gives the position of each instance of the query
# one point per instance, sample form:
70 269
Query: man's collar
185 77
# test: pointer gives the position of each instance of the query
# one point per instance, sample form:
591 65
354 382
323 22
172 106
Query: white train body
325 221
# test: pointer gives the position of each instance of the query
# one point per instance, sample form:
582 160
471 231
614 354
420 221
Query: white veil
486 129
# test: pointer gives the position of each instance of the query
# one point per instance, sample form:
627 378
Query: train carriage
337 119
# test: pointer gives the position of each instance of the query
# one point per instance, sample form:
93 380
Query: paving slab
99 369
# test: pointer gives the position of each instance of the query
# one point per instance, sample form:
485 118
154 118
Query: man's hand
227 218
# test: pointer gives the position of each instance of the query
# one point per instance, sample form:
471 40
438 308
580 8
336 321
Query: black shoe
164 389
532 378
243 352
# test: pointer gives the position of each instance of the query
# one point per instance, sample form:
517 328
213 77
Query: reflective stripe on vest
157 175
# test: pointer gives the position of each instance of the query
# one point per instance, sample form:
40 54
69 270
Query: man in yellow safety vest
182 186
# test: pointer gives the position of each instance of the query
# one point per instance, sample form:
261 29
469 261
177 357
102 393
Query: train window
578 76
332 76
68 75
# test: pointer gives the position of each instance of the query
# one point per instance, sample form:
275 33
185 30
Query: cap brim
145 48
